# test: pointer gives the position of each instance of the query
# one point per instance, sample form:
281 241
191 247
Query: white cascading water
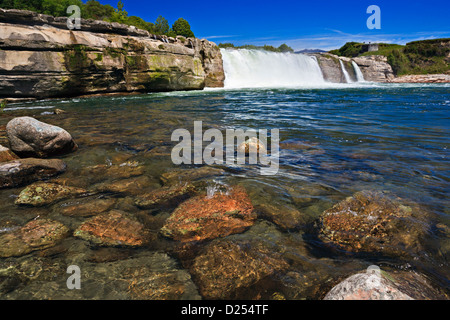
257 68
346 75
359 75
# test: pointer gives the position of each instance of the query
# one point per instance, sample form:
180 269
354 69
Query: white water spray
344 71
359 75
258 68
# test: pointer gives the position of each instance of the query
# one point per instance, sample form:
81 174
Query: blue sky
301 24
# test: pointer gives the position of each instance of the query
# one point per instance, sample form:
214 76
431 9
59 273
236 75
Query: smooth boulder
29 137
376 284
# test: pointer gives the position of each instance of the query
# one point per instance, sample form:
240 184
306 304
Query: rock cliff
40 57
374 68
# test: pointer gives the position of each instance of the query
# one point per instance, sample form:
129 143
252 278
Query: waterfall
359 75
258 68
346 75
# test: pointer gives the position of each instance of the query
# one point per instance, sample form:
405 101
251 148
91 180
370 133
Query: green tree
182 28
285 48
95 10
161 25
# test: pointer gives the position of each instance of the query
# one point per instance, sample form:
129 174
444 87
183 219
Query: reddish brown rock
35 235
115 228
203 218
374 222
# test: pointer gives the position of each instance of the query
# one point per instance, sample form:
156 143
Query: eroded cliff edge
373 68
40 58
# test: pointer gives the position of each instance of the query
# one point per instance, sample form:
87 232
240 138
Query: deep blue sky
300 24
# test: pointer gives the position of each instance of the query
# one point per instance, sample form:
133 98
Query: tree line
93 9
283 48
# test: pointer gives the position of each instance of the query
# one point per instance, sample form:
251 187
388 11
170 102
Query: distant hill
310 51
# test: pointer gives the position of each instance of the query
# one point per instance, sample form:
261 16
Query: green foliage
417 57
350 49
2 105
93 9
283 48
182 28
226 45
161 25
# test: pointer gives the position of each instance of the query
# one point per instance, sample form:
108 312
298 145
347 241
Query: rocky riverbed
98 190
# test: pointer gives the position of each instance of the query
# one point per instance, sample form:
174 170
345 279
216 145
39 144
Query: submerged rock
374 222
123 170
189 175
88 208
252 144
23 171
165 196
225 268
6 154
30 137
285 216
115 228
40 194
202 218
35 235
131 186
383 285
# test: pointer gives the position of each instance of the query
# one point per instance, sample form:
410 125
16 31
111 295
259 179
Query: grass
418 57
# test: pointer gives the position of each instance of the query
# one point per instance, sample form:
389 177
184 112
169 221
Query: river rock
285 216
89 208
382 285
252 144
22 171
203 217
225 268
132 186
39 194
374 222
123 170
6 154
37 234
165 196
30 137
189 175
115 228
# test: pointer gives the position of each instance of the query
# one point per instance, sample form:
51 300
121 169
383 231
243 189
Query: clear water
378 137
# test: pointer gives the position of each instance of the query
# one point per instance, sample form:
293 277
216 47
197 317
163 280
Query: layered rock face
374 68
40 57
